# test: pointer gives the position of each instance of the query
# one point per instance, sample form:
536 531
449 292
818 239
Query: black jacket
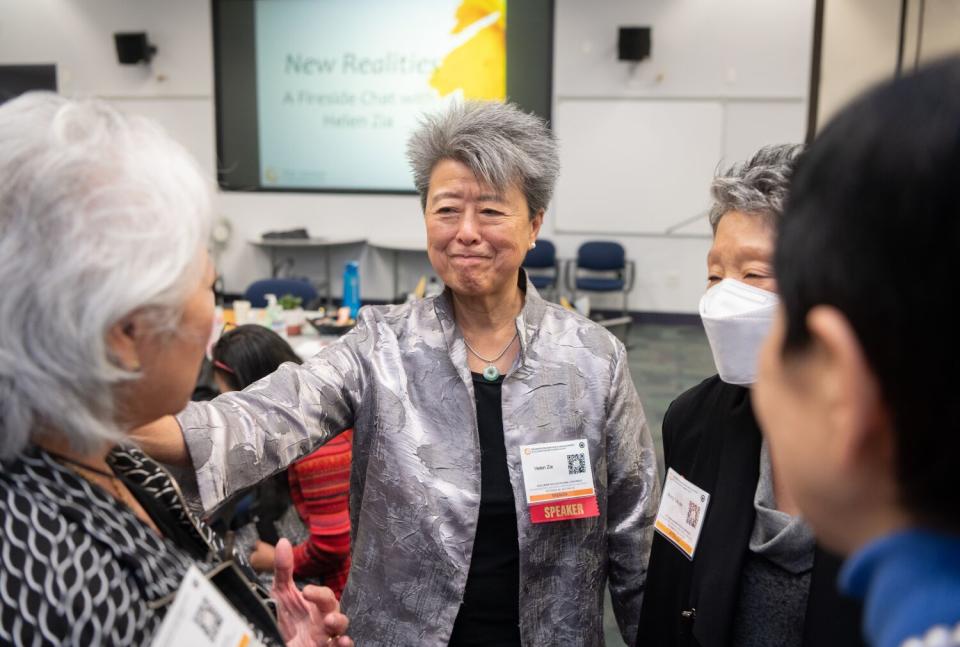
711 438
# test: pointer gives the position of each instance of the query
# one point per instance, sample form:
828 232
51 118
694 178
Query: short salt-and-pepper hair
757 186
501 144
101 215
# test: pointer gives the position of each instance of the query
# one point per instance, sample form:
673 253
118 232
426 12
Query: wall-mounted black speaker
633 43
133 47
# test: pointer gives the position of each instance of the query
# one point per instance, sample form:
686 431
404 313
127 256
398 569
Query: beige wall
941 30
860 41
859 48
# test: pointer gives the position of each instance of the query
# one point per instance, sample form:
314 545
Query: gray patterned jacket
400 380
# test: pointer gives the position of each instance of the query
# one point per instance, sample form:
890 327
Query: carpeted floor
665 361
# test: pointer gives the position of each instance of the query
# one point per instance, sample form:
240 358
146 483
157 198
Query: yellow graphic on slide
479 65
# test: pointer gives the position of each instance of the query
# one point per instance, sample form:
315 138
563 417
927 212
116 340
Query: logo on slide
477 64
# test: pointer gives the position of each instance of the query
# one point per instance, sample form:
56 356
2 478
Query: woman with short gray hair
502 145
502 466
106 307
757 186
755 577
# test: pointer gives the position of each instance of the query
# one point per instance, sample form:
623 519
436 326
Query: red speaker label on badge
565 509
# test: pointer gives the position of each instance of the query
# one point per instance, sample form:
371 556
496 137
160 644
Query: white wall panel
640 169
748 125
699 48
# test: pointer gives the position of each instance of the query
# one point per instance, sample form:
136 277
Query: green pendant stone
490 373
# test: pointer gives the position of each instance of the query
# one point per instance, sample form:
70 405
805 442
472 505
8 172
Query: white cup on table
241 312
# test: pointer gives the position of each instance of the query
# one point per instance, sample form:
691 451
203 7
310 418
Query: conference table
324 245
397 246
394 245
307 344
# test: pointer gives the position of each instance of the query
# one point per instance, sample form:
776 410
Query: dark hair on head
872 227
250 352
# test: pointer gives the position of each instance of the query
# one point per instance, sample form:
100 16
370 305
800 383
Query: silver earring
533 244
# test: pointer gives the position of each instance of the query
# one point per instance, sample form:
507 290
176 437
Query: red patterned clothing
320 490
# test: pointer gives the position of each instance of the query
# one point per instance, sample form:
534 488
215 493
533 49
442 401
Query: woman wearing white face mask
732 564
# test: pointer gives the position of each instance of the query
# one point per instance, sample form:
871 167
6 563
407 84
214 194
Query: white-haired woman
105 311
756 576
469 411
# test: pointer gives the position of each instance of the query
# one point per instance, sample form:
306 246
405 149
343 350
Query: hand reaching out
263 557
307 618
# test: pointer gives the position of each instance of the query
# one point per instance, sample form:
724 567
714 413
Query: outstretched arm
241 438
163 441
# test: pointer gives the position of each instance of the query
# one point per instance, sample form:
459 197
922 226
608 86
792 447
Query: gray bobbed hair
758 186
501 144
101 215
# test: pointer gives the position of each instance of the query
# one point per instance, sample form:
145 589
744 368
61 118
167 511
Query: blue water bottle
351 288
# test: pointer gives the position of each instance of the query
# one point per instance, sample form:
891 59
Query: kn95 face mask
736 318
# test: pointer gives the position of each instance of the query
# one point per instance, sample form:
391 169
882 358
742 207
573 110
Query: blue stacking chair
541 265
602 266
257 292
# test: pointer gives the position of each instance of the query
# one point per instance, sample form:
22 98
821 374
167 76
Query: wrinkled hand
307 618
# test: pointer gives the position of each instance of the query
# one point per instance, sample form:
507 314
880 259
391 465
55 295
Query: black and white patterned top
77 567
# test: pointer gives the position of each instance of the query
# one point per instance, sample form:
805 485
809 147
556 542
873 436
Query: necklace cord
497 358
90 468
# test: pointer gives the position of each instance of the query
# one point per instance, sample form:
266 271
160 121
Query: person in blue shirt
858 383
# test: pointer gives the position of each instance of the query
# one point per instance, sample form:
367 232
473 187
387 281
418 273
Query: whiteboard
750 125
643 168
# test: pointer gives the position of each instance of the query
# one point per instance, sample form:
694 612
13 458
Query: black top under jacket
490 613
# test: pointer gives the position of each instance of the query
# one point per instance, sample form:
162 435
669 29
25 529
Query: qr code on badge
576 464
693 515
208 620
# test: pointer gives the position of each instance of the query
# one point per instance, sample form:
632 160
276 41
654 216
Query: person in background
106 308
756 576
858 381
313 491
454 400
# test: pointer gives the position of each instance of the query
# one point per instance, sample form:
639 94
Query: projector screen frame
17 79
238 163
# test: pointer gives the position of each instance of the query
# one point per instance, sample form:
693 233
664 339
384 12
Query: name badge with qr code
558 481
683 508
200 615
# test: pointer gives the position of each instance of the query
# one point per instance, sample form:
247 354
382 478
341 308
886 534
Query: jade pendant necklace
490 371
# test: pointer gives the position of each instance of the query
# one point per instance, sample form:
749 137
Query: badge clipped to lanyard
201 615
558 481
683 508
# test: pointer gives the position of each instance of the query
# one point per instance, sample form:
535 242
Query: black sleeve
684 421
669 432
